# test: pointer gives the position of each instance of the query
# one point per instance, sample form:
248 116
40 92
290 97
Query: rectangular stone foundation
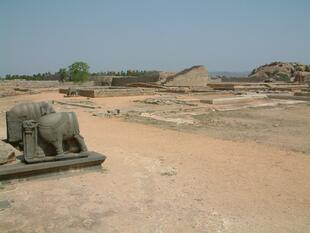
22 170
112 92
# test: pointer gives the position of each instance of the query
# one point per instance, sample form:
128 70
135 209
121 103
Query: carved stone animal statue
22 112
56 128
72 91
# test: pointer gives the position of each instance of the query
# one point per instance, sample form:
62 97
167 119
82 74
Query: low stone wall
102 80
29 84
244 79
257 86
42 84
123 92
149 77
87 93
123 81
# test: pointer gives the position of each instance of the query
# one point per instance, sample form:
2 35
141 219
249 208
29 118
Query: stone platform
22 170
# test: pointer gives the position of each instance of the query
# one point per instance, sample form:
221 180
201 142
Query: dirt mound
193 76
280 71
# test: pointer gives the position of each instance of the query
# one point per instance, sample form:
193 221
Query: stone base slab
22 170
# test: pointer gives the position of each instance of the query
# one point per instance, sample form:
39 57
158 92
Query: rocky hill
282 71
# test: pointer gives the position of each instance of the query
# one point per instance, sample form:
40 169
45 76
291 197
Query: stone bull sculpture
56 128
44 136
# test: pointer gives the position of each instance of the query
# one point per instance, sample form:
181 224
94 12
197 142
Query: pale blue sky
224 35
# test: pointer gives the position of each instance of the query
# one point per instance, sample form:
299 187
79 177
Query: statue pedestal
22 170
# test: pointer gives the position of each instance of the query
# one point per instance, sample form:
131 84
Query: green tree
79 71
62 73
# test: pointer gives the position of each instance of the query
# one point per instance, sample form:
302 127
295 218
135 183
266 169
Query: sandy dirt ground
160 179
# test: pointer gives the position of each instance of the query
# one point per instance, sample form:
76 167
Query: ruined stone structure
192 77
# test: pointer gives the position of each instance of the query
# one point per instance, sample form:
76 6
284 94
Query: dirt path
160 180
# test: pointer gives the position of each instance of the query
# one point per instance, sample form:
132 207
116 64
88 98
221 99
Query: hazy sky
232 35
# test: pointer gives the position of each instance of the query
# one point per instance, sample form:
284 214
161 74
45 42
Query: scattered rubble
232 100
108 113
169 172
165 101
177 121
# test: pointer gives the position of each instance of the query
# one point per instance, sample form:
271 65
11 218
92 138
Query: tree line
121 73
76 72
38 76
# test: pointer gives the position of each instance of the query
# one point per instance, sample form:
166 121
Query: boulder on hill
280 71
302 76
191 77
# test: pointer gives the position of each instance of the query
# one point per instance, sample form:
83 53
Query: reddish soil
162 180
